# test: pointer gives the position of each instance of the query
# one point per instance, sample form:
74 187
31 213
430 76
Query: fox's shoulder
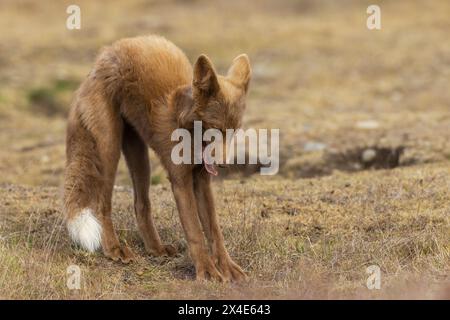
152 63
145 42
150 48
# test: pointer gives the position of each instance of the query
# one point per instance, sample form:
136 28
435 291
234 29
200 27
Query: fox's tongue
209 167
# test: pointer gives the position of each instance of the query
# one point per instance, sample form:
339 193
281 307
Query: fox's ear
205 81
240 71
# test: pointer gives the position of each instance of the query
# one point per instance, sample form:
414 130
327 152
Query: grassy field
335 90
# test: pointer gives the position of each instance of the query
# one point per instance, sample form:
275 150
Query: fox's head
219 101
215 100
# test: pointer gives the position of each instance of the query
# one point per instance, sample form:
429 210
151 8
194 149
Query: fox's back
148 66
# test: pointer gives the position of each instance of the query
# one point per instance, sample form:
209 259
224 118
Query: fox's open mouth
208 164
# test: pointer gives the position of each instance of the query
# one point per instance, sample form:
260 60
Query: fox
138 92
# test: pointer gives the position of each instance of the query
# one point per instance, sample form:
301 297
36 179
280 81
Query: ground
336 91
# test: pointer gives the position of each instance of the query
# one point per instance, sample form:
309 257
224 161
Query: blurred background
329 83
347 100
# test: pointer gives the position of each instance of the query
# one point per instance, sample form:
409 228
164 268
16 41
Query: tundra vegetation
364 173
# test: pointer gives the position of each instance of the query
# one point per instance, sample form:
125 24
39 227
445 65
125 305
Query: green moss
52 99
65 84
156 179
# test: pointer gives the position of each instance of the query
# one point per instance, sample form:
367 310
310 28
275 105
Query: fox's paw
163 250
122 253
206 270
230 270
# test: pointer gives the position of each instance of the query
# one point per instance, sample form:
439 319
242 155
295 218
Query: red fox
139 91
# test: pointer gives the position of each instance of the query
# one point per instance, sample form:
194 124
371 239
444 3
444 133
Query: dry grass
309 232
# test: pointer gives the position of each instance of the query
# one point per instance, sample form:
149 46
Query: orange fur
139 91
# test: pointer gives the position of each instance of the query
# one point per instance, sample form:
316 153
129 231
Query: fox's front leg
207 213
182 187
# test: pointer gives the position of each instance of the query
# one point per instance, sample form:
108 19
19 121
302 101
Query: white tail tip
85 230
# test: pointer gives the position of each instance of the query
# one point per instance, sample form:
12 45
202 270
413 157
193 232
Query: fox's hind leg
93 152
136 155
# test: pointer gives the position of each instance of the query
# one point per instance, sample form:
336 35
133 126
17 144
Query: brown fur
139 91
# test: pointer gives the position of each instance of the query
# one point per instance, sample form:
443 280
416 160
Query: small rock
45 159
368 124
368 155
119 188
314 146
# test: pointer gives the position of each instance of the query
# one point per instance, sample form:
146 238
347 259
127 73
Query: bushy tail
85 176
85 229
81 186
